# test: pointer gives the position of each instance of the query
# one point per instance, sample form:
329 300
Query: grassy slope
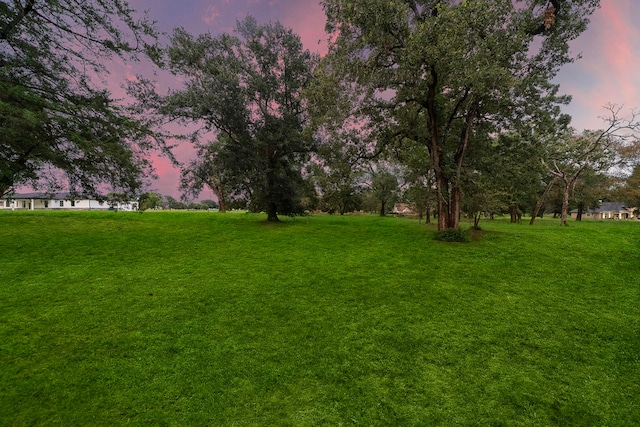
203 318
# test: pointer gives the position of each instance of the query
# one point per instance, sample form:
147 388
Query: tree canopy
59 127
447 74
247 88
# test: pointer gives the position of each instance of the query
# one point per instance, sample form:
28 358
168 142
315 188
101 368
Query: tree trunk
443 197
272 208
454 212
541 200
219 193
443 207
565 202
449 203
580 211
476 220
448 188
513 213
222 204
218 190
382 208
272 213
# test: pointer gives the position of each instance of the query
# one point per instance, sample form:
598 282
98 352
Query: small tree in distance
383 189
150 201
630 191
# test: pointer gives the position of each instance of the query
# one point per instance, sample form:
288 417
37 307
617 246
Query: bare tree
574 153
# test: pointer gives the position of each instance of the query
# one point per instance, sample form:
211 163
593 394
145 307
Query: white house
607 210
60 201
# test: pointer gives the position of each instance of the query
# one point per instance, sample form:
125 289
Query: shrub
452 235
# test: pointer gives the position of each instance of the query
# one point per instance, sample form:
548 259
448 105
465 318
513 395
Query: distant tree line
156 201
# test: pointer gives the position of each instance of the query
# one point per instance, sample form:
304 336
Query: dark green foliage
207 170
337 173
150 201
22 126
57 127
384 190
630 191
247 88
209 204
589 190
573 154
172 203
447 74
452 235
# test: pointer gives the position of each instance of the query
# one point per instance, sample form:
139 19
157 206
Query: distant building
60 201
607 210
403 209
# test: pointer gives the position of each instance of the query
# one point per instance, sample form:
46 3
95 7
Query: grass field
221 319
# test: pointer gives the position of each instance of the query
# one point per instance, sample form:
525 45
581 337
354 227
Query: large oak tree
447 73
247 88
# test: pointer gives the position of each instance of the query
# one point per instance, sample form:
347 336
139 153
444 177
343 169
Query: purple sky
607 72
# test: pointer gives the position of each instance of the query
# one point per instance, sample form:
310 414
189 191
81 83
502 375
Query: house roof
45 195
607 207
611 206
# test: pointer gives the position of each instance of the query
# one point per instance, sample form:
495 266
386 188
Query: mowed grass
221 319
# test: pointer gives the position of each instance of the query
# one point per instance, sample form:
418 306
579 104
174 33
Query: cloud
620 46
211 14
130 74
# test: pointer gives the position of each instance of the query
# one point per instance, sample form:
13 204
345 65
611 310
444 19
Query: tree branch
108 44
24 11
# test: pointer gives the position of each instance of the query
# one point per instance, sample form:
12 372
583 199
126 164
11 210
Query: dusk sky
607 73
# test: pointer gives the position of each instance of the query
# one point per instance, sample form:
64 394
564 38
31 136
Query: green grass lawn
221 319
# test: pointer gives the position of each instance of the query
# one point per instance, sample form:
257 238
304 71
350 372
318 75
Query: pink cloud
210 15
130 75
620 45
610 59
